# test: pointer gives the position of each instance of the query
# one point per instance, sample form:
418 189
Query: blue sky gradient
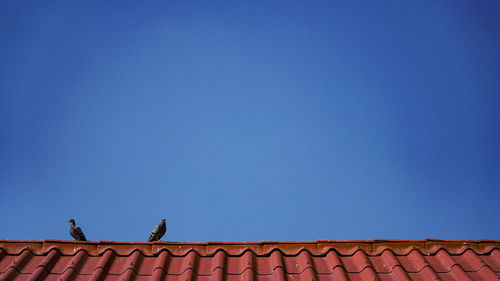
265 120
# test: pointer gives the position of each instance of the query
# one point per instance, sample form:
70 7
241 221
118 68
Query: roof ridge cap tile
127 251
185 252
320 247
254 242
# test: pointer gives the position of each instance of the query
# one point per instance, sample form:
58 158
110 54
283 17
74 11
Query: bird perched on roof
76 231
158 231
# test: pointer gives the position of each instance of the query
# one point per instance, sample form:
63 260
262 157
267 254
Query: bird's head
72 221
163 220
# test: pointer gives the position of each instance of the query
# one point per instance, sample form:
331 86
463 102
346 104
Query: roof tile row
320 247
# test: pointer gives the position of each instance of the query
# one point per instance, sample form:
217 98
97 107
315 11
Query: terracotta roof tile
251 261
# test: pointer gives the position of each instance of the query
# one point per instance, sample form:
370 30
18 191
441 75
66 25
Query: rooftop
267 260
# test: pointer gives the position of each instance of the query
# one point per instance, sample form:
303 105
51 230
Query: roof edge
263 242
263 248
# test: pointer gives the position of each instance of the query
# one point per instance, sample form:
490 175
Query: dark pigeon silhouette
158 231
76 231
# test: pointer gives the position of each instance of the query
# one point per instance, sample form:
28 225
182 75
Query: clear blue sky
264 120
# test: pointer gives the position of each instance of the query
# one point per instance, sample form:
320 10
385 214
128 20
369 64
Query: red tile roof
249 261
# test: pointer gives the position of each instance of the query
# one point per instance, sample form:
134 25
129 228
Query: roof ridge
267 252
319 241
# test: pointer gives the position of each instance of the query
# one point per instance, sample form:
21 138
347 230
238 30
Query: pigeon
76 231
158 231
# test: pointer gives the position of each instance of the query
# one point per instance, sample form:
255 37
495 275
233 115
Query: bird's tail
151 237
